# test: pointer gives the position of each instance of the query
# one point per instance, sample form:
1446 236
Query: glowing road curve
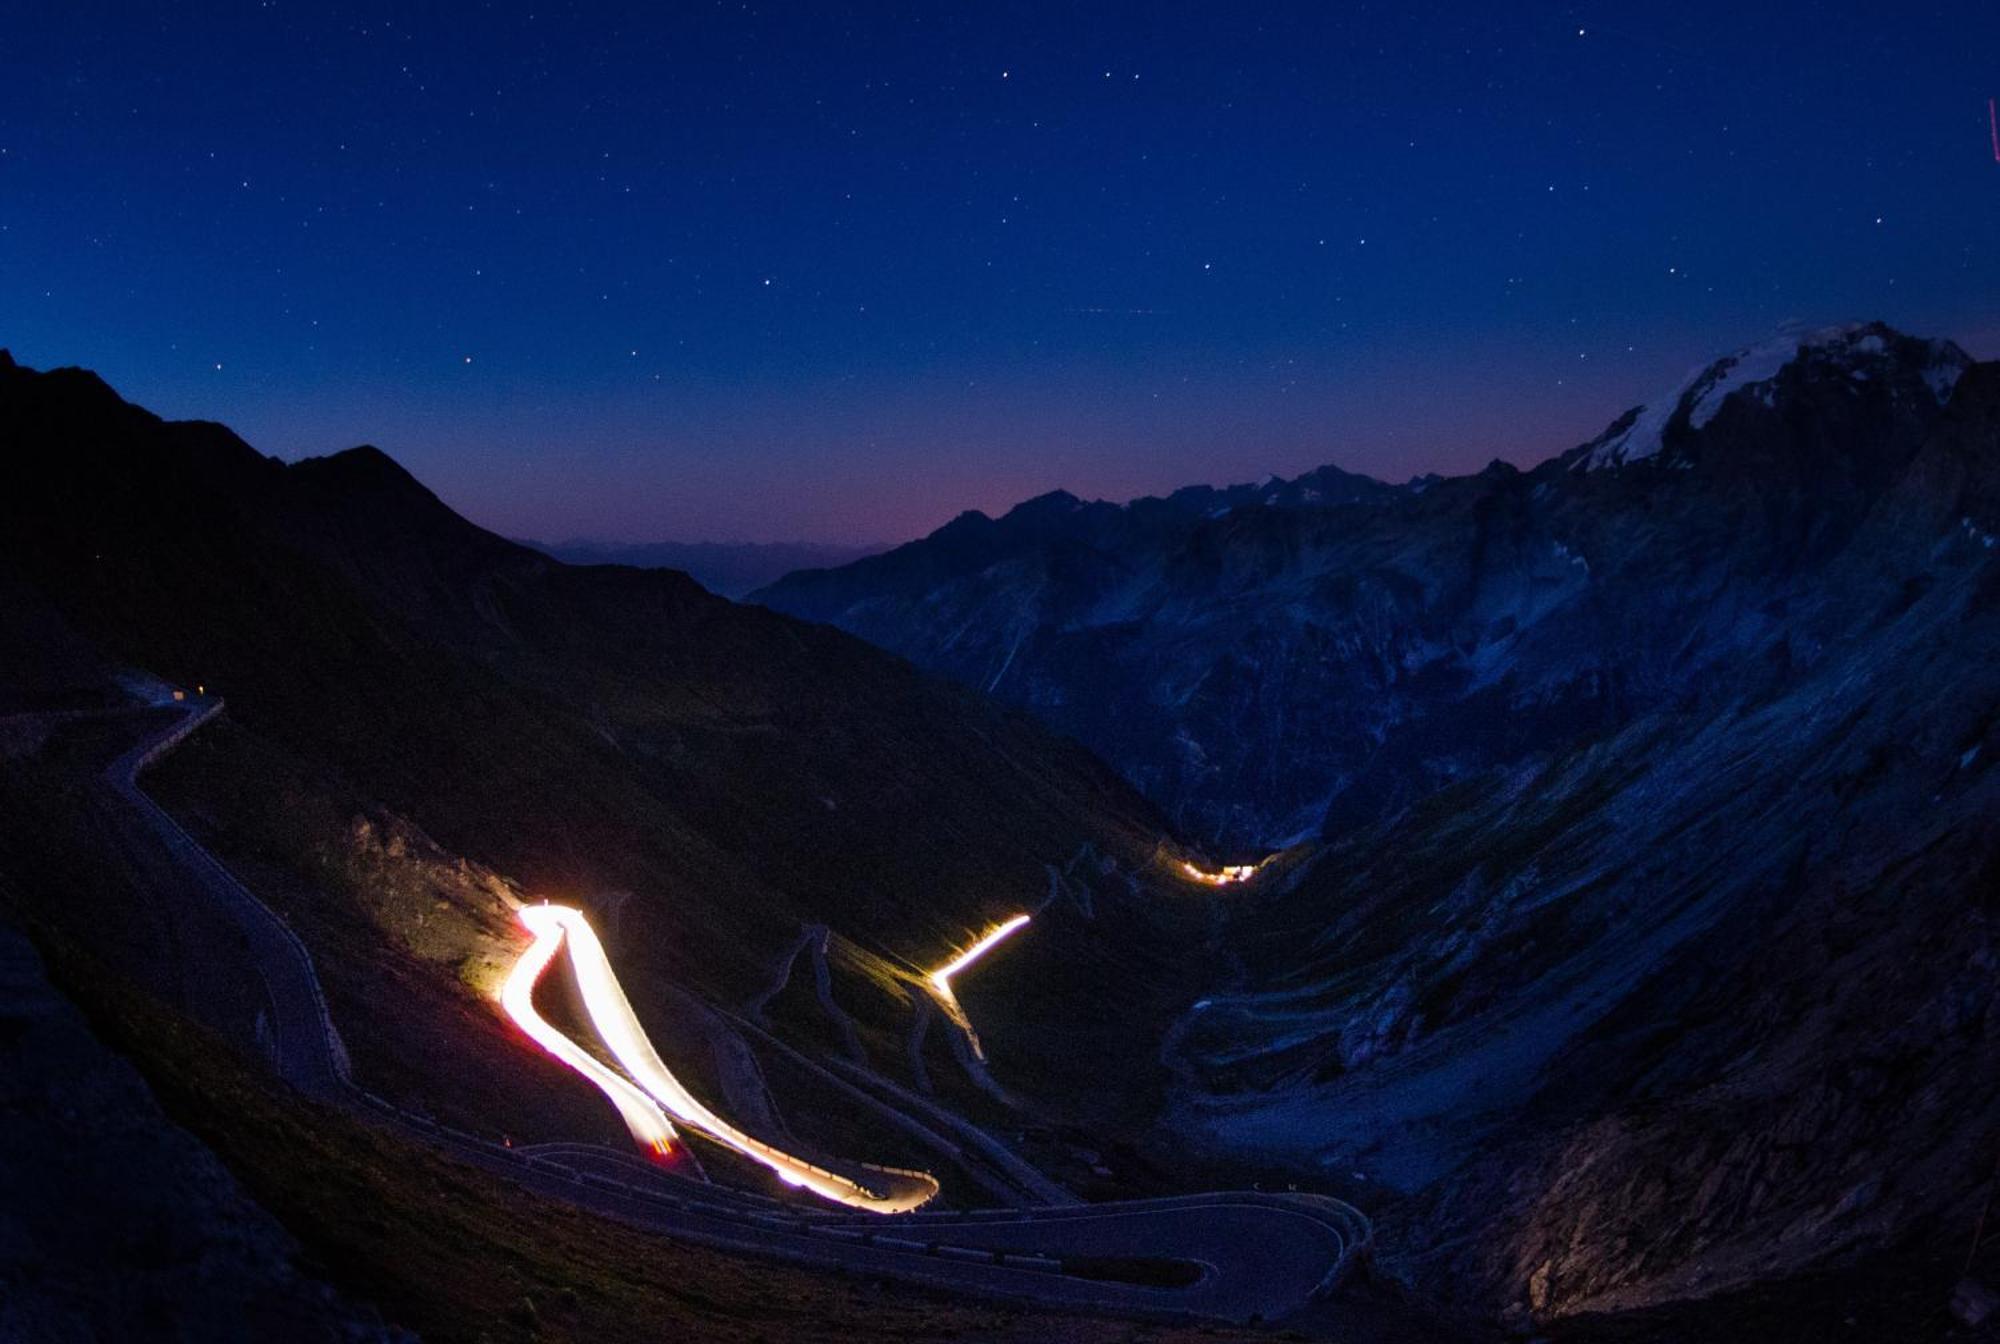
648 1093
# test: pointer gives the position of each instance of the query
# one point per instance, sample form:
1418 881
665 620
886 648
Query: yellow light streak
1221 877
940 979
892 1190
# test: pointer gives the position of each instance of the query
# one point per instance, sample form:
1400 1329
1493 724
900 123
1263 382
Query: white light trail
892 1191
642 1115
940 979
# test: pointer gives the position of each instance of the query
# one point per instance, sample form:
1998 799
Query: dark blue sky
836 273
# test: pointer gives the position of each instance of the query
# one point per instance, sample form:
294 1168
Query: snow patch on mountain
1942 374
1755 370
1748 369
1644 437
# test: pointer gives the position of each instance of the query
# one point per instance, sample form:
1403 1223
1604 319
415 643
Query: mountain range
1636 926
1272 662
1631 936
726 568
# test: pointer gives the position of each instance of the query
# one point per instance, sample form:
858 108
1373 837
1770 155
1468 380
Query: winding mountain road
873 1188
1228 1256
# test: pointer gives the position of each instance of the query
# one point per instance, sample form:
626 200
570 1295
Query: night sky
824 273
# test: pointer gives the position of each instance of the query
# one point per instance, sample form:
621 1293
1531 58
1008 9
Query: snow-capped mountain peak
1859 348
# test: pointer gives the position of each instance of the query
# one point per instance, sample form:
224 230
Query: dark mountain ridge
706 778
1270 663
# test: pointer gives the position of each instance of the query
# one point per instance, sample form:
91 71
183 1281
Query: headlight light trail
940 979
642 1115
888 1190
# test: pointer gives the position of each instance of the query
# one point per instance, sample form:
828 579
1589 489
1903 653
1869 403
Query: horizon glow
661 274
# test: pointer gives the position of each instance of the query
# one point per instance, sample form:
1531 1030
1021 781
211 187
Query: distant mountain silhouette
728 569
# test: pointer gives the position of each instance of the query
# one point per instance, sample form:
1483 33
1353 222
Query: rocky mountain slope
1714 993
1646 944
1267 662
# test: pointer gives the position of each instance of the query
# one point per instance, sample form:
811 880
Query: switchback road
1229 1256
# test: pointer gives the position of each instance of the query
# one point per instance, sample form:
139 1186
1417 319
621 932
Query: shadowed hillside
408 693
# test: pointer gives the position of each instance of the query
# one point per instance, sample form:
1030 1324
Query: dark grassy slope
452 1252
703 776
587 729
439 1248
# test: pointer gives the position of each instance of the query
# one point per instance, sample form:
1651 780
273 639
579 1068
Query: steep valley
1635 943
